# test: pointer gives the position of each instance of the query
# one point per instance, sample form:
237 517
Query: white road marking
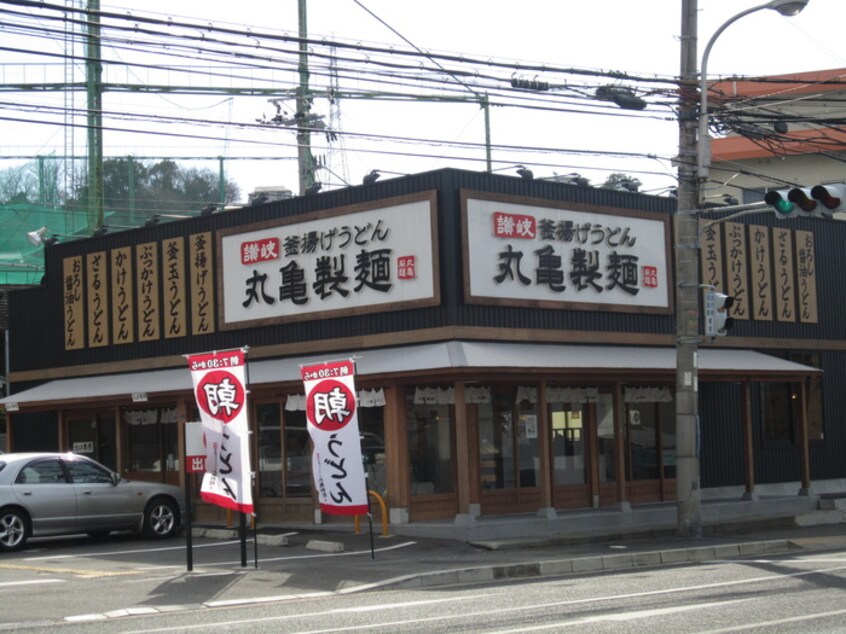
769 624
621 616
9 584
131 551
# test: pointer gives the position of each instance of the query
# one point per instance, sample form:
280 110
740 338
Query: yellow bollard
384 506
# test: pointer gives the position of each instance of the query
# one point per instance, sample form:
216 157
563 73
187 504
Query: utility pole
686 241
94 88
305 163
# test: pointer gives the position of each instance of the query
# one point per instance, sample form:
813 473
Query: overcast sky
640 39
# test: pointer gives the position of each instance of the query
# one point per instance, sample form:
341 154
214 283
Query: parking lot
78 577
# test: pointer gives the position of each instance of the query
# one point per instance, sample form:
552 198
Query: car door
102 505
43 489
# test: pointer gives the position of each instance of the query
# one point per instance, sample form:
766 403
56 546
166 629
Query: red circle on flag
221 395
330 406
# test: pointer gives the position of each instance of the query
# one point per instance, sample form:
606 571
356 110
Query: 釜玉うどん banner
332 414
221 395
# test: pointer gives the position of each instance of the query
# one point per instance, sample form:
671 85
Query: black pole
255 543
189 544
369 512
242 530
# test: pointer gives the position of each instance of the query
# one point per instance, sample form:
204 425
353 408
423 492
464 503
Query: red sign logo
221 395
514 226
406 267
330 406
260 250
650 276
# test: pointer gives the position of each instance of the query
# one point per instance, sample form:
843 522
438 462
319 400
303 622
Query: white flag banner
332 414
220 391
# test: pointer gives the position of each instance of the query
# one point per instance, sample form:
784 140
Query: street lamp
787 8
688 493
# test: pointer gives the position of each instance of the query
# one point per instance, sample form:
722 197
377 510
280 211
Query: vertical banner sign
331 410
219 379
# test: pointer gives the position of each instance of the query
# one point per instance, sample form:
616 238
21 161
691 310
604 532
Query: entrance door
572 455
582 447
509 458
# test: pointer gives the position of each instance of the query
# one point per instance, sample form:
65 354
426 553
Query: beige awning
422 358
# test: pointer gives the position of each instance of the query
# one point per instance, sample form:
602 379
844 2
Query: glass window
42 472
816 430
642 430
298 480
667 417
430 443
269 423
371 425
508 440
152 441
82 472
568 443
605 436
650 440
779 411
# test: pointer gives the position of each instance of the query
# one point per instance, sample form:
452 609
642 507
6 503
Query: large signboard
519 252
343 261
332 414
221 395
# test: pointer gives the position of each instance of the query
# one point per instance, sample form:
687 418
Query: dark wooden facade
733 446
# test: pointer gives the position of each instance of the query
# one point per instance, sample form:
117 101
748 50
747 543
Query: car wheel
13 529
161 519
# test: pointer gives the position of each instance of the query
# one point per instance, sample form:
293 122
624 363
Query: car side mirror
115 479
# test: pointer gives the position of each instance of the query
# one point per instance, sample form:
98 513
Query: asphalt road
123 584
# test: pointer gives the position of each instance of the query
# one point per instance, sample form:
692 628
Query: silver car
63 493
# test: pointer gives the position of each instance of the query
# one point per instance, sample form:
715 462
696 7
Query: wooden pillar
547 504
620 446
396 455
748 444
464 451
804 456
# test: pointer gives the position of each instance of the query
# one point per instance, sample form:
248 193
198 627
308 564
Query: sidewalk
345 565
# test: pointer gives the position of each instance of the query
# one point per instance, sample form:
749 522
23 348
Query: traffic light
831 197
782 207
819 200
717 319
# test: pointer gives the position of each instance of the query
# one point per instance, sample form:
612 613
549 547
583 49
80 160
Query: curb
231 533
596 563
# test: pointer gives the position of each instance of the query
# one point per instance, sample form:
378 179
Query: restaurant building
514 343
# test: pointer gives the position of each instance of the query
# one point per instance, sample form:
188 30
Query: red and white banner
221 394
332 413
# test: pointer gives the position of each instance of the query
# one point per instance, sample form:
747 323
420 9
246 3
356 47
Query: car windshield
2 465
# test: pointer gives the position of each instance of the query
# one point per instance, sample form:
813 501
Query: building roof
781 90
